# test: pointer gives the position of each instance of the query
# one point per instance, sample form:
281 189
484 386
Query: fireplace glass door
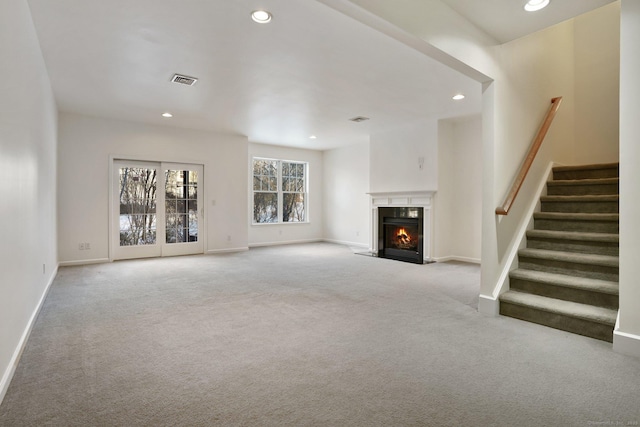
400 234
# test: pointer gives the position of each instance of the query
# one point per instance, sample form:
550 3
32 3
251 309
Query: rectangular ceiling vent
359 119
185 80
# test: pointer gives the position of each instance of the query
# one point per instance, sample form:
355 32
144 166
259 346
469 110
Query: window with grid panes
279 191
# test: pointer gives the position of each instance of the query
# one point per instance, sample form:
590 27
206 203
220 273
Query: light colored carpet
302 335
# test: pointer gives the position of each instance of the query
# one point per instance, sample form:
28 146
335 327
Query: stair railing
531 155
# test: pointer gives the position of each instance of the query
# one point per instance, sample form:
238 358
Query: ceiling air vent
359 119
185 80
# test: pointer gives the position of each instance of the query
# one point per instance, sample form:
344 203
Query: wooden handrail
533 150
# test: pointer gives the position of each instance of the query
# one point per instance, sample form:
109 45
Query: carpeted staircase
568 273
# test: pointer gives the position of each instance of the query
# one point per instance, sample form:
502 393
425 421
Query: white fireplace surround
391 199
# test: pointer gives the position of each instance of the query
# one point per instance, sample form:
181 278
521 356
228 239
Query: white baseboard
15 359
488 305
364 246
457 258
286 242
84 262
628 344
224 251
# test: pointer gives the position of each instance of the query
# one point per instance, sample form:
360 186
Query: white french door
157 209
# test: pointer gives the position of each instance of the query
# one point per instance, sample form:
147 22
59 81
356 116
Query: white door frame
163 248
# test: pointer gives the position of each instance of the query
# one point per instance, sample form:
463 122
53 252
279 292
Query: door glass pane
193 227
181 206
137 206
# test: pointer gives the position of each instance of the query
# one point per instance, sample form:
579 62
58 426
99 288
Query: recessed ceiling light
533 5
261 16
458 97
312 137
167 115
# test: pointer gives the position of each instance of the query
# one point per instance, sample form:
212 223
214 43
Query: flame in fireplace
403 237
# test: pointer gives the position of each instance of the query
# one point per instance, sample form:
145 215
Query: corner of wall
624 343
488 305
7 376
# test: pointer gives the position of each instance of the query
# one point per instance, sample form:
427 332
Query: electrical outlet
357 233
228 238
81 246
87 245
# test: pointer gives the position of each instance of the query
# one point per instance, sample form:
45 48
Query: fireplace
401 234
406 209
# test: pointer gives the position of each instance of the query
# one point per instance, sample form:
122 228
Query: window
279 191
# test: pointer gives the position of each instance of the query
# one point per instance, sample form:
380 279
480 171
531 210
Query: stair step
575 235
582 187
571 221
605 170
580 204
568 273
587 320
591 266
596 292
600 260
574 241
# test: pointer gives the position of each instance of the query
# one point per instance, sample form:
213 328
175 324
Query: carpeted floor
302 335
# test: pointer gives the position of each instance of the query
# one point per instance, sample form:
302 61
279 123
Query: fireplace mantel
422 199
402 198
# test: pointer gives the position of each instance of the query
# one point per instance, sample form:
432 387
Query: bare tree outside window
265 191
279 191
137 206
181 209
293 192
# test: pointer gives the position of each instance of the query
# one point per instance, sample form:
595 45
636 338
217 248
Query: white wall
597 85
394 158
269 234
627 337
533 70
84 150
27 182
458 205
346 203
443 221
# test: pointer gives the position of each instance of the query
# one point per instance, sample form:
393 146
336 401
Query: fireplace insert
400 233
